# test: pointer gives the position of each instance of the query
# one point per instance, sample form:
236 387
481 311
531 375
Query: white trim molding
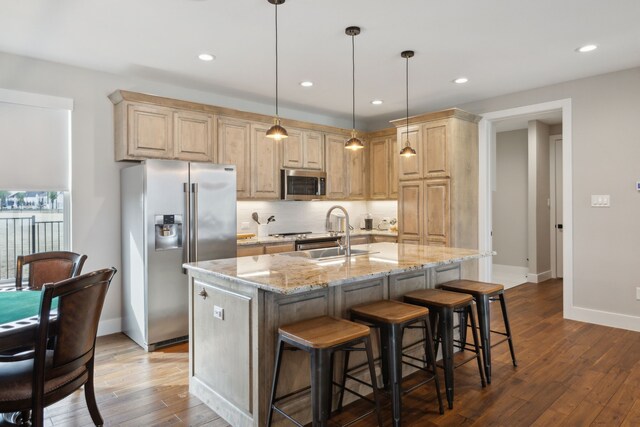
605 318
540 277
109 326
35 100
486 148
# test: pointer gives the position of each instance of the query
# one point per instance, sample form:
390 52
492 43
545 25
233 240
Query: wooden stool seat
438 298
323 332
388 311
472 287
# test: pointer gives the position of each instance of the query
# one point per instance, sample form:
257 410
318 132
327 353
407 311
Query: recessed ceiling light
306 84
376 101
461 80
587 48
206 57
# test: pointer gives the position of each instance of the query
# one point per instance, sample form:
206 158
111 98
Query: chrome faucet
347 240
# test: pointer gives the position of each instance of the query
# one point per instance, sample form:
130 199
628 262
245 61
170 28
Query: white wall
510 199
606 149
95 175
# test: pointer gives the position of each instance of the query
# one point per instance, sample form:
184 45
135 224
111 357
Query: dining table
19 310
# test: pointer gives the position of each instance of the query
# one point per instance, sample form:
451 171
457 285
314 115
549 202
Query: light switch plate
600 200
218 312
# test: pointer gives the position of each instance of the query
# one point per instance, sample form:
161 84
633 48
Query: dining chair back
48 267
57 370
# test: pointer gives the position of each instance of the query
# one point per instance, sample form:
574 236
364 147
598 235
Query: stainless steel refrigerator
172 212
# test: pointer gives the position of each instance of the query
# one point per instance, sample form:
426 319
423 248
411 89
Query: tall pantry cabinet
438 188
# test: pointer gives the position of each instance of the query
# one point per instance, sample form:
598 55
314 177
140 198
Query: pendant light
276 131
354 143
407 151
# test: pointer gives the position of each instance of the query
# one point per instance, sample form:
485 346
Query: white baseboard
109 326
604 318
540 277
509 275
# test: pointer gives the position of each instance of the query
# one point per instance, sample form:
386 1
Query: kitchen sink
325 253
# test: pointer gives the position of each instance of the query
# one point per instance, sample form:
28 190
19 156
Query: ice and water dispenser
168 232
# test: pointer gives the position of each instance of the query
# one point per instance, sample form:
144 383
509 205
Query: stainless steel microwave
299 184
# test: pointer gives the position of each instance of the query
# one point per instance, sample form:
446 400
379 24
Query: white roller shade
34 142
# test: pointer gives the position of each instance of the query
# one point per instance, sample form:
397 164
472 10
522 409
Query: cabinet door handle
203 294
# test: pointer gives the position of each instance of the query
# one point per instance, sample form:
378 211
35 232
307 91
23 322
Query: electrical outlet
218 312
244 225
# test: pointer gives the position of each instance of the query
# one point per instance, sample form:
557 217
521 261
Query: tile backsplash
292 216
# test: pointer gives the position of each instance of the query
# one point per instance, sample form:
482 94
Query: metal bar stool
483 294
392 317
321 337
442 305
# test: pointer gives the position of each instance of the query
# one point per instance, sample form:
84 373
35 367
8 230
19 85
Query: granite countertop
297 273
284 239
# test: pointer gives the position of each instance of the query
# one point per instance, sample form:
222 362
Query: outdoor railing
23 236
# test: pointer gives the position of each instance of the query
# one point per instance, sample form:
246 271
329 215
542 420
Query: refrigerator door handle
194 188
187 224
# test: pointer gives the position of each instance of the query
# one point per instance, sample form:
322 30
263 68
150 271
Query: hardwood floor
569 373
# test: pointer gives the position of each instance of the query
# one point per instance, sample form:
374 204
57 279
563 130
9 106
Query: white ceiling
502 46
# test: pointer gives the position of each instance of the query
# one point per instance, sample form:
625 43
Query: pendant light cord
407 88
276 59
353 82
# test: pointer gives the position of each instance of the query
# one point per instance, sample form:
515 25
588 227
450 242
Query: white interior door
558 214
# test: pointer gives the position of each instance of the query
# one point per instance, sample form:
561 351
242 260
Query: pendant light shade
354 143
407 150
276 131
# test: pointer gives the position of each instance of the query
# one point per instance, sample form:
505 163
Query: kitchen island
236 306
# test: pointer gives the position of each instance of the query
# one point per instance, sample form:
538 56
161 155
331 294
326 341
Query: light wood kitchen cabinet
383 168
193 136
410 210
410 167
336 167
439 205
267 248
265 161
234 137
356 173
379 238
438 212
303 150
147 131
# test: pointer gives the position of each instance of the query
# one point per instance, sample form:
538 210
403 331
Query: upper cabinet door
265 169
356 173
380 172
292 150
410 167
435 142
394 159
150 132
193 136
336 167
234 149
313 151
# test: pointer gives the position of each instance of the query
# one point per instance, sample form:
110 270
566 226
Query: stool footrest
287 416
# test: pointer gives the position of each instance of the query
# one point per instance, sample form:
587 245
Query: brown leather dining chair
56 372
48 267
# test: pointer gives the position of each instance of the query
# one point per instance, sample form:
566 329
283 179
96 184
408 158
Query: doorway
487 142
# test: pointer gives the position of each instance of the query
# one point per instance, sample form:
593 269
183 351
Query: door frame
486 182
553 140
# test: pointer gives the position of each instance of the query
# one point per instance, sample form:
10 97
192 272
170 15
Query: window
30 222
35 176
